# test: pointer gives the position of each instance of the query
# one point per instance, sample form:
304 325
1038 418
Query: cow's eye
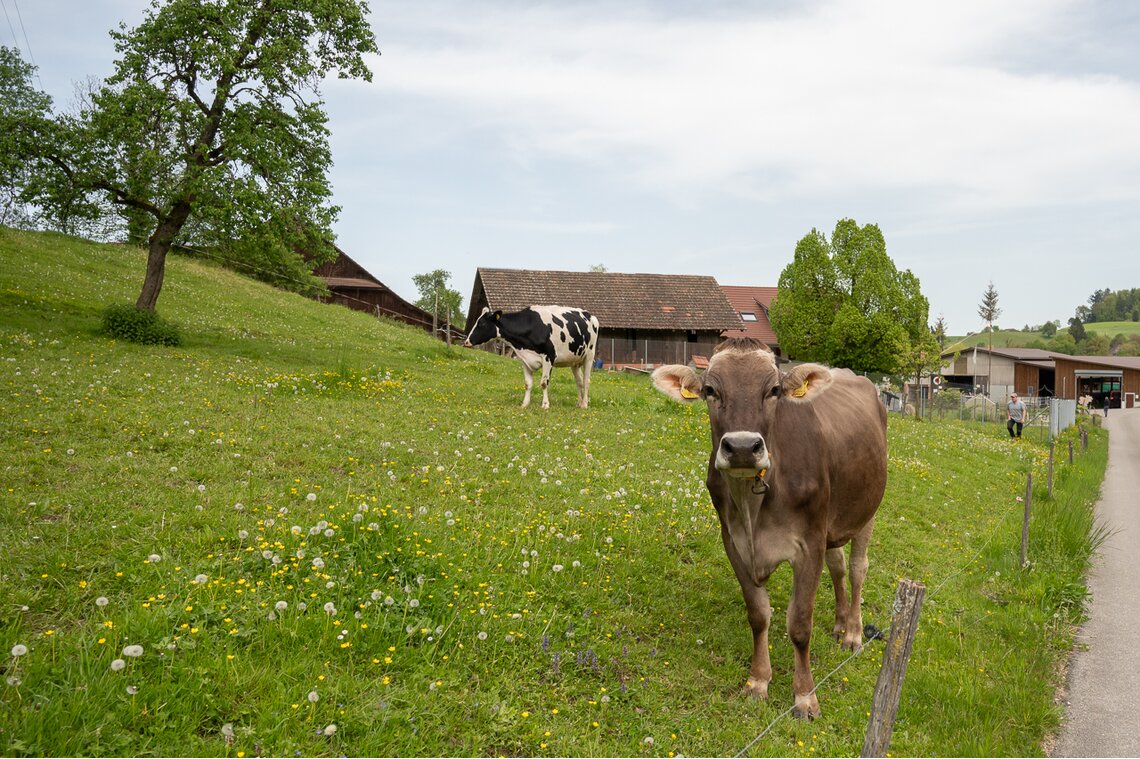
775 392
708 392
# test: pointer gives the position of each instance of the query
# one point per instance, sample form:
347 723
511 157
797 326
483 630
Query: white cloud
839 97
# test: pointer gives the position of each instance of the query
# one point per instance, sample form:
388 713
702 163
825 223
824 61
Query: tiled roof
630 301
753 300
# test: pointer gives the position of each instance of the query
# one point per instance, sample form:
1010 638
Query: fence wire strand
882 634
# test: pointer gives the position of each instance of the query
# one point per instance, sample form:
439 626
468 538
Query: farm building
1032 372
752 304
646 319
350 284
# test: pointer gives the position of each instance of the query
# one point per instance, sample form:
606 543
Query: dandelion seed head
133 650
313 697
311 497
201 579
330 729
154 558
228 730
117 665
281 605
132 689
19 649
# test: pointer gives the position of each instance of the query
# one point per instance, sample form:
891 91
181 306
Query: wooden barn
350 284
646 319
1101 377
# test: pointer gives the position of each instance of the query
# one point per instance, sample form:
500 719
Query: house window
748 316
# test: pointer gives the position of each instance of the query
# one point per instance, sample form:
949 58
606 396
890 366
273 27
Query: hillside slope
329 534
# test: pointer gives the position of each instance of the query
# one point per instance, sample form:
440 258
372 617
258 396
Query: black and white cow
544 337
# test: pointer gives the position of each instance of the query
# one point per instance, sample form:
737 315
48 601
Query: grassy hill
329 535
1012 338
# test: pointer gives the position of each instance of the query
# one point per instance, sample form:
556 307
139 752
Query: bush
139 326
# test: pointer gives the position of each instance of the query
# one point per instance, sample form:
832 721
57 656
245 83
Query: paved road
1104 681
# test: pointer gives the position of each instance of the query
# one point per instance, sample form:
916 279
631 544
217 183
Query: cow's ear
804 382
678 382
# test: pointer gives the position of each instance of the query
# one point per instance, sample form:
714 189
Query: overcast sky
989 140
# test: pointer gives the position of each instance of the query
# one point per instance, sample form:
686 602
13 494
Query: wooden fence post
1070 453
1025 522
888 689
1052 444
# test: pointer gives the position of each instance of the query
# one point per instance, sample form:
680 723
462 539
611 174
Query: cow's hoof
756 689
852 643
806 707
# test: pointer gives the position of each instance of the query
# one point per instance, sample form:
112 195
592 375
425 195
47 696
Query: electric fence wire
882 634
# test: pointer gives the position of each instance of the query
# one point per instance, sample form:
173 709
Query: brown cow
797 470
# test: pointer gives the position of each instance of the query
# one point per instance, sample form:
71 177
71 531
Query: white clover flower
281 605
330 730
19 649
133 651
117 665
314 697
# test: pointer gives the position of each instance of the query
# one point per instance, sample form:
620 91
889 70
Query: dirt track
1103 704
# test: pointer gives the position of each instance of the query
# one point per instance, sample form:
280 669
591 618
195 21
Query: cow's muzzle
742 454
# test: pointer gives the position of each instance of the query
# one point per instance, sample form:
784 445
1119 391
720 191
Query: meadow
310 532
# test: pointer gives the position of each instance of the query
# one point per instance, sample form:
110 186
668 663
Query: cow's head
744 391
486 328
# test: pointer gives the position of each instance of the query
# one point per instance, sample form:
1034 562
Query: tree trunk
160 243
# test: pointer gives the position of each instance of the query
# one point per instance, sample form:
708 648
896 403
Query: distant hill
1015 338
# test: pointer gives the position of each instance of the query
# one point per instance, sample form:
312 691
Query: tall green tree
24 112
212 124
439 299
843 302
989 310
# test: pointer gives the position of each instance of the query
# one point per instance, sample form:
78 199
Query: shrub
137 325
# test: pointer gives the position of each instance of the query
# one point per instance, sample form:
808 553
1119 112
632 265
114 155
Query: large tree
989 311
439 299
24 112
212 125
843 302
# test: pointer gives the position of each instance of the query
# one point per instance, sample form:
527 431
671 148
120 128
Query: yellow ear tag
687 393
801 391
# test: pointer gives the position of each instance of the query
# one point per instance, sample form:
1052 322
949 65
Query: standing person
1016 413
1107 402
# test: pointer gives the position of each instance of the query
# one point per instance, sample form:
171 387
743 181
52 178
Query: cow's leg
759 617
580 382
806 572
528 378
584 401
859 564
837 567
547 366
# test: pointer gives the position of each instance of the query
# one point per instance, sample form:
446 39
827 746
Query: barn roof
629 301
754 301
